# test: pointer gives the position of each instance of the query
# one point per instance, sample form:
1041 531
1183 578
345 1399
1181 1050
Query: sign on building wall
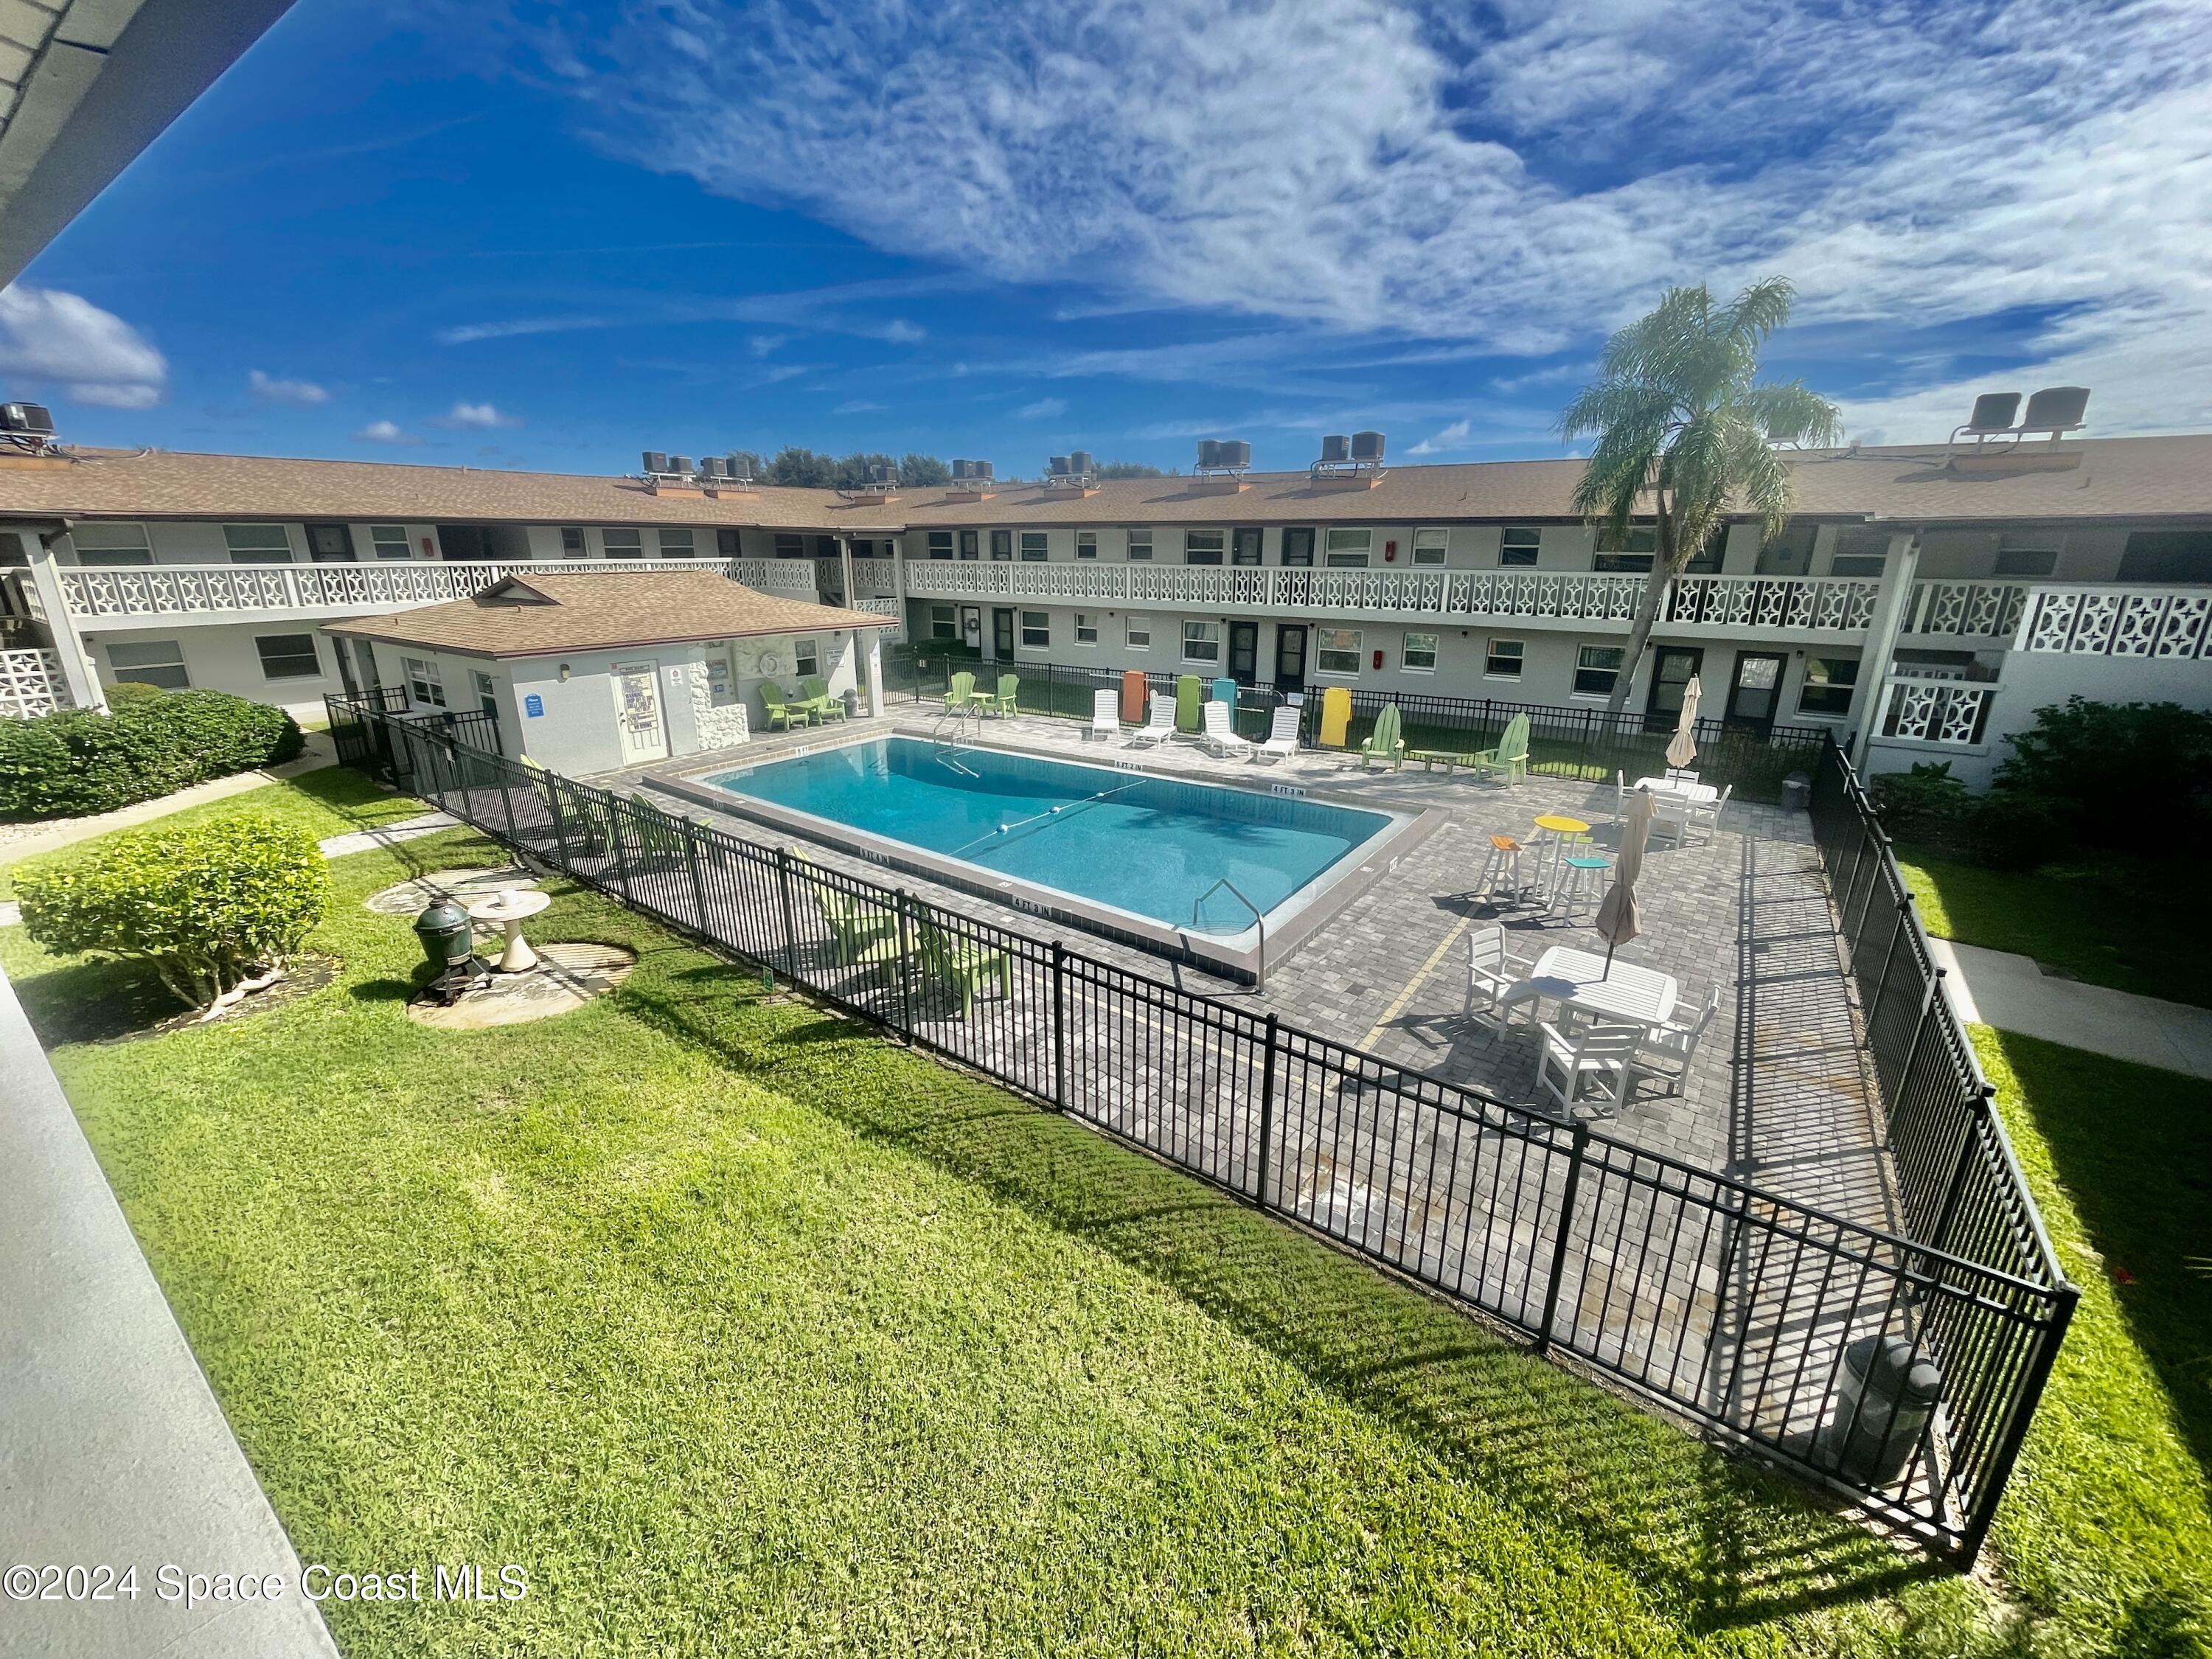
532 705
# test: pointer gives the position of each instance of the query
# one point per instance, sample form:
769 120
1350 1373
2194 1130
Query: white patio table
1640 996
1698 794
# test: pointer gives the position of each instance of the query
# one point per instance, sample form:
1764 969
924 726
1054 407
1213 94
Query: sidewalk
113 1448
1996 988
46 837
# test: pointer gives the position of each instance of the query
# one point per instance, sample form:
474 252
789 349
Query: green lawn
2130 925
744 1331
328 801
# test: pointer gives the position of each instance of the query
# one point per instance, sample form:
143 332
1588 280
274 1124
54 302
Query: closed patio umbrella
1684 748
1617 920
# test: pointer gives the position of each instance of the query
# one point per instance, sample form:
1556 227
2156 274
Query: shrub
2012 830
125 691
1926 803
78 761
207 906
2135 774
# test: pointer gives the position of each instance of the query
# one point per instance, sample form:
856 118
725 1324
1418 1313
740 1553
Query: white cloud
46 334
1044 409
385 432
479 417
300 394
1909 166
761 344
1452 437
859 406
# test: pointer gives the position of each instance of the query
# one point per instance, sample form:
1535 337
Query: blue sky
542 236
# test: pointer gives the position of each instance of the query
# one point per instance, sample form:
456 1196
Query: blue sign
532 704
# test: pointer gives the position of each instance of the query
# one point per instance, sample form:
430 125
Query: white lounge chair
1105 717
1591 1053
1676 1041
1282 736
1161 727
1220 737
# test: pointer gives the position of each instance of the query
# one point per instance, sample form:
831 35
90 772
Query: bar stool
1503 865
1578 869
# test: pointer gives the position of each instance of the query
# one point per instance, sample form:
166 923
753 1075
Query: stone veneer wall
719 728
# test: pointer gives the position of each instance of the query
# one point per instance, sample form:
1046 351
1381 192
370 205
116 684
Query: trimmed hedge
76 761
207 906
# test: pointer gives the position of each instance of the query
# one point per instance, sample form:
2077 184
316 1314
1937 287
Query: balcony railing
1980 609
1944 713
31 684
168 591
1813 603
2170 623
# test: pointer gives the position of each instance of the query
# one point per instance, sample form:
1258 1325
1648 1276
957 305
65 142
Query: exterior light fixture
564 670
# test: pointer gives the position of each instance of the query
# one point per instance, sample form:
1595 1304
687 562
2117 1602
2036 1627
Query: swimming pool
1139 845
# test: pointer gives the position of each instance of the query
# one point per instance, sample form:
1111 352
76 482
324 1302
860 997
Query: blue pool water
1143 844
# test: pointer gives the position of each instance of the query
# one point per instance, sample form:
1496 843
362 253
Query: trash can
1883 1400
1797 793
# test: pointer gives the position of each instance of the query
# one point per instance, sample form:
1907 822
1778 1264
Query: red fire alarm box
1378 658
1389 552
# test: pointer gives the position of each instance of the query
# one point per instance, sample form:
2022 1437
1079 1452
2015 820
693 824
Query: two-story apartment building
1923 601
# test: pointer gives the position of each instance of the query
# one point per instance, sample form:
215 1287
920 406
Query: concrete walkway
113 1449
46 836
2012 993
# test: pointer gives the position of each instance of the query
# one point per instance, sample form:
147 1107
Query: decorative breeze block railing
31 684
2167 622
1990 610
1946 713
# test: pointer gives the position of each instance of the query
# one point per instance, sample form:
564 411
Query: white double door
637 710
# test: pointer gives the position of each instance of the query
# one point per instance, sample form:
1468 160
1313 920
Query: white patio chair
1282 741
1591 1054
1491 971
1160 728
1670 816
1105 716
1708 818
1681 774
1220 737
1676 1041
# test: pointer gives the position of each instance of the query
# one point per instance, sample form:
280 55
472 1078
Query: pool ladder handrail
1261 982
946 755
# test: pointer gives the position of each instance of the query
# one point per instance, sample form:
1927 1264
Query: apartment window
1429 546
1036 628
1137 632
1141 544
572 545
1519 545
1707 560
940 544
2026 561
788 546
1297 546
1338 652
330 544
1790 554
1033 547
424 686
1627 552
389 541
1347 547
969 544
1859 553
727 544
112 544
944 622
2167 555
1501 659
806 659
677 545
150 662
487 693
621 543
1002 544
1203 546
287 656
1245 550
1086 627
258 543
1086 543
1597 668
1201 641
1827 688
1419 653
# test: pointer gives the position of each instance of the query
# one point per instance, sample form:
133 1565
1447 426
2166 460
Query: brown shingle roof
554 613
2117 477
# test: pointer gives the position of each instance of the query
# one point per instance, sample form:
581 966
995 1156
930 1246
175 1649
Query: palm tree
1684 429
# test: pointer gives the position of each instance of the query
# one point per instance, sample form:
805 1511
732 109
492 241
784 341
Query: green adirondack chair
1007 699
1190 704
1509 760
858 931
783 713
815 694
578 821
966 964
658 834
1383 743
960 694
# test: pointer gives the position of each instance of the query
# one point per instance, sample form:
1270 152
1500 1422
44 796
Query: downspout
1900 571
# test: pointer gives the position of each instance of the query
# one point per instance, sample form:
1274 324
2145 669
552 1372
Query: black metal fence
363 723
1587 743
1727 1304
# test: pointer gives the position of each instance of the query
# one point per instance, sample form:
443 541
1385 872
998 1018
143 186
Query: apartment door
330 544
637 711
1756 690
1672 666
1244 653
1002 634
1290 657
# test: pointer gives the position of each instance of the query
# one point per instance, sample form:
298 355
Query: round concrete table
509 907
